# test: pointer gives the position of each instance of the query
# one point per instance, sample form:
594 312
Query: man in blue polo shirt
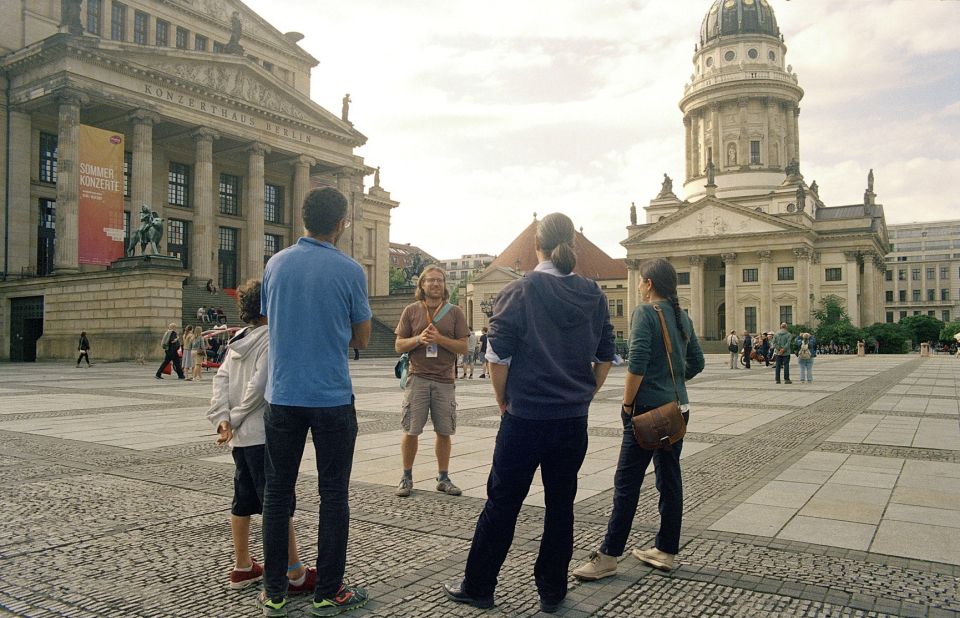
315 300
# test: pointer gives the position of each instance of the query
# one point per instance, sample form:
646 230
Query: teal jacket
783 339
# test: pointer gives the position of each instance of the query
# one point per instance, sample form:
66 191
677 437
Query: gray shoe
405 487
597 566
448 488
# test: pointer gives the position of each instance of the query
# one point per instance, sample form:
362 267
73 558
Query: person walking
236 410
650 383
198 352
483 352
188 352
806 351
765 349
171 352
433 332
733 347
470 357
309 390
747 348
83 346
782 343
550 347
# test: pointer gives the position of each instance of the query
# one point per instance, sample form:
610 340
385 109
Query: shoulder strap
669 348
442 313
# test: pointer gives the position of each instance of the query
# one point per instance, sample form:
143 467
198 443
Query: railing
722 78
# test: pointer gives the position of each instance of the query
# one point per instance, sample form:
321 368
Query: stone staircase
195 296
381 342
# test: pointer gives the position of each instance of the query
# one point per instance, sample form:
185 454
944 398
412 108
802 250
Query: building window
227 258
94 14
944 294
683 278
200 42
902 274
786 314
931 295
218 47
750 319
755 152
118 22
178 241
916 296
141 22
127 166
945 315
903 314
178 185
915 274
723 281
931 313
229 194
163 33
903 296
182 37
272 204
888 276
749 276
930 272
370 247
46 237
126 228
271 244
785 273
48 157
889 317
619 307
889 296
834 274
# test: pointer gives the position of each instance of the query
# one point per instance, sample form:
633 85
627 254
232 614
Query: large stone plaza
836 498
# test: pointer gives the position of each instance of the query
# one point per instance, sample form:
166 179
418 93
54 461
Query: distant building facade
458 269
923 271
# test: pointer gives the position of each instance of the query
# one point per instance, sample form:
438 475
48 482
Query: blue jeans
626 492
784 362
806 369
558 448
334 432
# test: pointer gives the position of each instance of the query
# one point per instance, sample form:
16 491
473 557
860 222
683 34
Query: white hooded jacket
239 386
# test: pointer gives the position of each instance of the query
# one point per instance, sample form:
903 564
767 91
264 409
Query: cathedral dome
732 17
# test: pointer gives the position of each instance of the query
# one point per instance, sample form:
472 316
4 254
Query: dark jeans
83 355
334 432
746 358
626 492
171 356
558 448
782 361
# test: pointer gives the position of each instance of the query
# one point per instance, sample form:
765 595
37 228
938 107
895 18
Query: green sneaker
346 599
271 608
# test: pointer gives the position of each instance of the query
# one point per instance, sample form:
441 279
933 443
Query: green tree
948 331
831 309
922 328
833 323
893 338
398 278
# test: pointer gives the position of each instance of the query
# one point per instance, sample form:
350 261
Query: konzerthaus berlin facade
222 140
752 242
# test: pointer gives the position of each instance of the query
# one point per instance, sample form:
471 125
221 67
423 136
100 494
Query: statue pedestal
147 261
924 350
861 349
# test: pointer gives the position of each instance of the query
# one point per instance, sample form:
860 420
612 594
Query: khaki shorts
424 396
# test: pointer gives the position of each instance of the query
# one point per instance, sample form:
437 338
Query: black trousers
171 357
83 354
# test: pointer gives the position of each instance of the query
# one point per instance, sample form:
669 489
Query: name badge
431 350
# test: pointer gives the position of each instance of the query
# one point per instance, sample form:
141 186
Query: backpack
804 353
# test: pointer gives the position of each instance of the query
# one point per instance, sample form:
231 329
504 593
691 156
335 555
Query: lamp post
486 306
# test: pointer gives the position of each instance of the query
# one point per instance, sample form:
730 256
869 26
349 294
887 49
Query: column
787 115
696 293
254 210
765 143
205 233
816 278
301 187
633 283
743 147
141 180
345 183
22 231
803 285
868 303
68 191
688 138
796 132
697 135
853 287
766 319
716 140
730 292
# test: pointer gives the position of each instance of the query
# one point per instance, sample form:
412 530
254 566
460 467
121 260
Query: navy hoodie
552 329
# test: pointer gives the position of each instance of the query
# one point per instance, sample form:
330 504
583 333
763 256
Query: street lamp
486 305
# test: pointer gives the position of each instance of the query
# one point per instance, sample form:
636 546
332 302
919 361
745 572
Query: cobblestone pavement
839 497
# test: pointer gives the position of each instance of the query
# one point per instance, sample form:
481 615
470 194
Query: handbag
663 426
402 369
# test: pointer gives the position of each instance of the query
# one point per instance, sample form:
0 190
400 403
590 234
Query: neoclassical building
221 140
752 242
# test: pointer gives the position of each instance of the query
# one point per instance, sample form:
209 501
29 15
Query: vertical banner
101 196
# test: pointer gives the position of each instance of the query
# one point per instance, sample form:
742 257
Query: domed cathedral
752 242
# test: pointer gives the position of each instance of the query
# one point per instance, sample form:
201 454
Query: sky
482 113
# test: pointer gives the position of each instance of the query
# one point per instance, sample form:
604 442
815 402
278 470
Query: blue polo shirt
312 295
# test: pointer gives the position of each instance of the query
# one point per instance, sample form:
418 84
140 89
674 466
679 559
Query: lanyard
427 309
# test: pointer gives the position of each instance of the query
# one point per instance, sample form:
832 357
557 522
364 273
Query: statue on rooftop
236 30
70 16
667 187
633 213
345 108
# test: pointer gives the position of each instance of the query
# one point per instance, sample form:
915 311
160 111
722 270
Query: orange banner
101 196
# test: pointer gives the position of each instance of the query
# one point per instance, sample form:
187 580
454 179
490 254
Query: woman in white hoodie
236 410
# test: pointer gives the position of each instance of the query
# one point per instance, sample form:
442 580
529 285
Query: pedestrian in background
806 351
170 343
782 344
83 346
188 352
733 347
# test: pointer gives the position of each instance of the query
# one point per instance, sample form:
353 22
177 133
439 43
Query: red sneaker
308 585
244 579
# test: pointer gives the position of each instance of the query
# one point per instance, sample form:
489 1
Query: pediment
712 218
496 274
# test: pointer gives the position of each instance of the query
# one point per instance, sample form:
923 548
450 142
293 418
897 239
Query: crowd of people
776 348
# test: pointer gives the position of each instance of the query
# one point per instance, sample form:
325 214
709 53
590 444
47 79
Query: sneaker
346 599
597 566
270 607
788 382
309 583
405 487
158 377
244 579
446 486
655 558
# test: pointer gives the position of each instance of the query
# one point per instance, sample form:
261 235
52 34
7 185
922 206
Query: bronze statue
793 168
236 29
870 181
345 108
149 233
